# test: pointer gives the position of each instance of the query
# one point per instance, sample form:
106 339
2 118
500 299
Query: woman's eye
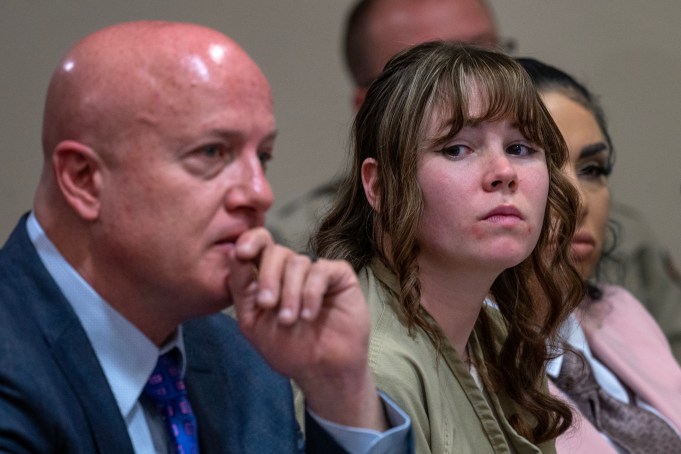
594 171
520 149
454 151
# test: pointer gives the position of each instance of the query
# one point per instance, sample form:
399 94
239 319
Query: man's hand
310 322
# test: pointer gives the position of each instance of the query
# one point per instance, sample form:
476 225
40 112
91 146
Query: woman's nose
502 174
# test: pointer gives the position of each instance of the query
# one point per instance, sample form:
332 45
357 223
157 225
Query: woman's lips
504 216
583 245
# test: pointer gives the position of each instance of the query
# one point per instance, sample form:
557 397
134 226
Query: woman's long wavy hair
549 79
390 127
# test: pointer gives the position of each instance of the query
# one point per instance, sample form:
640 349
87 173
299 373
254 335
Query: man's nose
251 189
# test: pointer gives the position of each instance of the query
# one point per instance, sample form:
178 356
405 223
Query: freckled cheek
478 232
538 193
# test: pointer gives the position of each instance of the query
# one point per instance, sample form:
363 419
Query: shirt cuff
357 440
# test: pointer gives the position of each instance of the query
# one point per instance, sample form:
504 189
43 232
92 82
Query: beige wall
631 57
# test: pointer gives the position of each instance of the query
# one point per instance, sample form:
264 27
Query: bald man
146 223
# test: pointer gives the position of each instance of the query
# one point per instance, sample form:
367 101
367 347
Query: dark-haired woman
623 379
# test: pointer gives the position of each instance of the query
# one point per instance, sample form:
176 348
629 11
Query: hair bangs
490 90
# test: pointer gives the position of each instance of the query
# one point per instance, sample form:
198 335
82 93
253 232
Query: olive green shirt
450 413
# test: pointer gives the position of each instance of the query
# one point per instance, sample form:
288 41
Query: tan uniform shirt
450 412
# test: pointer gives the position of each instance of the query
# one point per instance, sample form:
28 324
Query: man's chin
213 304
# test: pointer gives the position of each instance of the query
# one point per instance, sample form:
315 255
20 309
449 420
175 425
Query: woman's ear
78 171
370 183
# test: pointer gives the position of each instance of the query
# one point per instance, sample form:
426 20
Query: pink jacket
625 338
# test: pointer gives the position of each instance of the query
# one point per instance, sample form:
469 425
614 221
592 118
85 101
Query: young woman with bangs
454 198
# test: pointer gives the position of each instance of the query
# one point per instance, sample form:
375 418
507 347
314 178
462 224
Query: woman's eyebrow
592 149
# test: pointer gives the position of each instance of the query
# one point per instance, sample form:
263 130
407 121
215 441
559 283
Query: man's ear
370 183
78 171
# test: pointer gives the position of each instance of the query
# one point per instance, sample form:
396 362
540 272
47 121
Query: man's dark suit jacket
54 396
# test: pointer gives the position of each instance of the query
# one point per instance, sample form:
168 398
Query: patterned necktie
630 427
166 389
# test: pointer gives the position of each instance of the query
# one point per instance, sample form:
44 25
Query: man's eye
213 151
264 158
217 152
209 160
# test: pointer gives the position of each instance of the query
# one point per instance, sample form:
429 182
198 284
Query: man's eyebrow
231 133
271 136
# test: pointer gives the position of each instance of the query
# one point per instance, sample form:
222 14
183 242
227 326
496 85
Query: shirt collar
571 333
126 355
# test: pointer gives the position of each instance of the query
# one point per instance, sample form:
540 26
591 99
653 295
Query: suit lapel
69 345
79 364
240 403
209 394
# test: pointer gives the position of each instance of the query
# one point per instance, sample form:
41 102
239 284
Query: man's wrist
394 439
